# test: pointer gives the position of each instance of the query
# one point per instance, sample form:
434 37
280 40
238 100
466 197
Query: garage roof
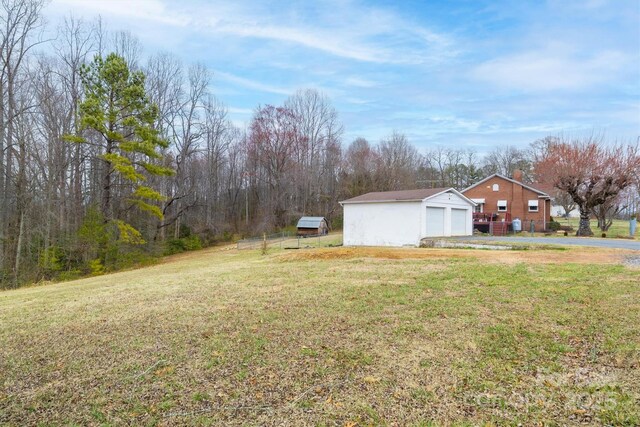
402 196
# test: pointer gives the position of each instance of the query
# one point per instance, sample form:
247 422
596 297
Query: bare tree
274 138
358 174
506 160
319 129
399 162
608 211
20 25
589 170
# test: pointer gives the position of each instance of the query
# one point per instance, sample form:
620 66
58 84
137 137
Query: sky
464 74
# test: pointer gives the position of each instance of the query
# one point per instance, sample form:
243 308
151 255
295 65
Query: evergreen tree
117 117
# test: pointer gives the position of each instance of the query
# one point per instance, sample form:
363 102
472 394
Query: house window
496 187
502 205
533 206
479 205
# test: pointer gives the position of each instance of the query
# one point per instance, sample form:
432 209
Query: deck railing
491 217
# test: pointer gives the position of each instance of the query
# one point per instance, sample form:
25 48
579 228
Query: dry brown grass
342 336
542 256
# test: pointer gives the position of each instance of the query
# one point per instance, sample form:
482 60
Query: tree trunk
16 274
585 225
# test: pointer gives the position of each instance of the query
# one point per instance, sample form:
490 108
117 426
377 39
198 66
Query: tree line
108 159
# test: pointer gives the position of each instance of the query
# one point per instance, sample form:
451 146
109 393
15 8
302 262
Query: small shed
312 226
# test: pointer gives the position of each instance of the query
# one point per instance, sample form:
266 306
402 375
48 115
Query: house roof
403 195
543 186
310 221
535 190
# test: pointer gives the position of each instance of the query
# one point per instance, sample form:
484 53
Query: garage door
459 222
435 222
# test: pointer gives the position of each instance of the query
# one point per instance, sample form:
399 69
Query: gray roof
310 221
397 196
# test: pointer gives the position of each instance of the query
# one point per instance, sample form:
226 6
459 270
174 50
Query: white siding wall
557 210
398 223
382 224
447 201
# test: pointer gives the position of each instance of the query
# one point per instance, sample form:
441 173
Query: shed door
459 222
435 222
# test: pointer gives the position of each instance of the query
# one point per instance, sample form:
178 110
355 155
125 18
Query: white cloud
240 111
151 10
360 82
551 69
252 84
357 32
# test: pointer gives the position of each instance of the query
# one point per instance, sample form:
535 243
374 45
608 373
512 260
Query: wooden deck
494 223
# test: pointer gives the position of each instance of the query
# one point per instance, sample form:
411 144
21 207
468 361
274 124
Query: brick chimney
517 175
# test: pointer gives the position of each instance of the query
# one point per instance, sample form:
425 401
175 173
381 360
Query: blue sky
470 74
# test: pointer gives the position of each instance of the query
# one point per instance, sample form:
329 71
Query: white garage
400 218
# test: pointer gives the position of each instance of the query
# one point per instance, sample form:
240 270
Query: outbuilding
312 226
403 218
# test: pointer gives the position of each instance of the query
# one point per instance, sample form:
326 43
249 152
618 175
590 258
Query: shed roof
310 221
402 196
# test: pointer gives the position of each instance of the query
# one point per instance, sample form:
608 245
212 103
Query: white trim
478 201
452 190
342 203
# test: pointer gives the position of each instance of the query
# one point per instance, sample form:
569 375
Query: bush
336 223
554 226
185 231
69 275
604 234
189 243
52 261
96 267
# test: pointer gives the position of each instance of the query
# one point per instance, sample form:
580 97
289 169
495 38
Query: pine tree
117 117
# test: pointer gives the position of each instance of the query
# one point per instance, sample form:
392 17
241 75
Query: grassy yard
619 228
330 336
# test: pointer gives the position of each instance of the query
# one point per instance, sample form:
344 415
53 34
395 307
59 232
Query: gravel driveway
569 241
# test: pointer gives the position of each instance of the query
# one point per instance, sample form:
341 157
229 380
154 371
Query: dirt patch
571 255
372 252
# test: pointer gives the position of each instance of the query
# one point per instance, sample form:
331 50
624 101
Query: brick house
501 199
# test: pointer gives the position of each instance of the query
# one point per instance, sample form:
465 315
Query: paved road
572 241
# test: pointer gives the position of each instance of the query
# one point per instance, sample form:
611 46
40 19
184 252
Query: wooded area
109 157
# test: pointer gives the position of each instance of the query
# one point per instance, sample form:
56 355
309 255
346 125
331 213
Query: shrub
185 231
336 223
189 243
69 275
554 226
604 234
52 261
96 267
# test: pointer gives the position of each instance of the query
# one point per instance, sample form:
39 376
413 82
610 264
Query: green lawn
619 228
330 336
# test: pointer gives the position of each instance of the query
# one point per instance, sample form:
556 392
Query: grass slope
336 336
